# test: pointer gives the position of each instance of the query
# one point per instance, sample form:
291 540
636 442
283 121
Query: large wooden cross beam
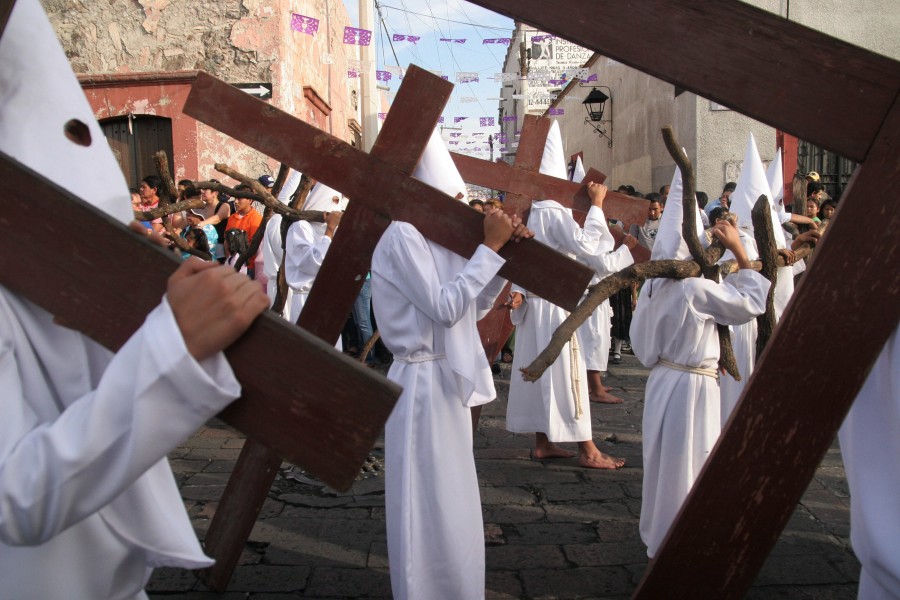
523 184
787 416
381 190
109 304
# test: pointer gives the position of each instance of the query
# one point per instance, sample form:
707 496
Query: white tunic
427 301
549 404
88 504
870 445
675 320
594 334
305 249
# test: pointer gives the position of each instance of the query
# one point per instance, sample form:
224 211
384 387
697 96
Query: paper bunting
453 142
557 111
504 41
352 74
509 119
454 40
383 75
304 24
542 38
455 134
505 77
358 37
458 119
468 99
592 78
382 116
466 77
556 81
398 37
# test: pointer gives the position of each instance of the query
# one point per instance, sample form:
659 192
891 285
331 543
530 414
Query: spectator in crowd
723 200
477 204
216 213
149 193
236 246
248 220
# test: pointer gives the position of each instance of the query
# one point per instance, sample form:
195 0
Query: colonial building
137 60
625 143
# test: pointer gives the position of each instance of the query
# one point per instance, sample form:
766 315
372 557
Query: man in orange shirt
248 220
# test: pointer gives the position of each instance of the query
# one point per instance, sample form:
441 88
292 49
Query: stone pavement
552 529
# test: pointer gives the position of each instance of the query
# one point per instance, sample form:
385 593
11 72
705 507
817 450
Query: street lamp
595 105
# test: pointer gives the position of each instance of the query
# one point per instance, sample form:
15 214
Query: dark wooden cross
788 416
523 185
381 190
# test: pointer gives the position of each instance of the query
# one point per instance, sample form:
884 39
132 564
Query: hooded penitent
670 242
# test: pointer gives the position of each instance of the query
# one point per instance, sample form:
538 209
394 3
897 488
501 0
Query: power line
448 20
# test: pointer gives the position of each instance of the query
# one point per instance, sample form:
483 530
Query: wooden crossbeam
788 415
108 305
389 192
381 187
755 66
531 184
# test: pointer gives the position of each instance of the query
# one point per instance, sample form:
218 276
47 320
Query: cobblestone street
552 529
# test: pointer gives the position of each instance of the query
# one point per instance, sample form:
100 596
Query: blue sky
431 21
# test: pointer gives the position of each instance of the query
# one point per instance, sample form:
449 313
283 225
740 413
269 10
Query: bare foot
605 398
607 388
600 461
551 450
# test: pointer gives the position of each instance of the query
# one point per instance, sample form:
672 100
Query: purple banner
509 119
557 111
398 37
358 37
458 119
383 75
454 40
304 24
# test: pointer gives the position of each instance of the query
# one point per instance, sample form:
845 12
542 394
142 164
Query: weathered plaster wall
237 41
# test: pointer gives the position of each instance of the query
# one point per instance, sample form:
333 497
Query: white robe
676 320
870 445
427 301
272 250
88 504
549 404
305 249
594 334
743 343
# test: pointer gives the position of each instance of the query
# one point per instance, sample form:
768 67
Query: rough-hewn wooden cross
381 190
787 417
79 295
523 185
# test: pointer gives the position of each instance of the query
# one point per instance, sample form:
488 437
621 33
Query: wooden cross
79 296
381 190
788 416
523 184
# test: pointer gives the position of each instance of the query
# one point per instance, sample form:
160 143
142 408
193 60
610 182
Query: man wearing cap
88 503
248 220
722 200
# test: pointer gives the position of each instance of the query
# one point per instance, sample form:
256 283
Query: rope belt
419 358
697 370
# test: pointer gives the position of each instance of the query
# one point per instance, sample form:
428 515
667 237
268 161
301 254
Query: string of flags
363 37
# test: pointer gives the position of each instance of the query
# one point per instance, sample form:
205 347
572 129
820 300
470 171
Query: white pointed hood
290 186
437 169
553 162
670 242
462 345
752 184
775 178
39 95
321 198
578 173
